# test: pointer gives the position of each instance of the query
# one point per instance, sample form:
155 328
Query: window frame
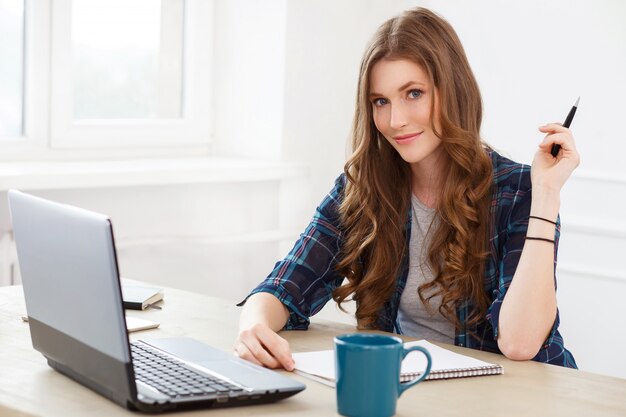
49 131
35 78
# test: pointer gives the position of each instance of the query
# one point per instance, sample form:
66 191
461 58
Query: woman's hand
261 345
550 172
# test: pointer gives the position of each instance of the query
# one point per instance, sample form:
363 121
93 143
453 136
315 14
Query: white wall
249 78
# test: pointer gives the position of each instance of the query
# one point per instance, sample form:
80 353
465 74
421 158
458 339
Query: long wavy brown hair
377 199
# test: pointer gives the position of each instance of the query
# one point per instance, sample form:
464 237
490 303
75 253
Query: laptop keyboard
174 378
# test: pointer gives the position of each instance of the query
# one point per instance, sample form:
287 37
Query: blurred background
210 130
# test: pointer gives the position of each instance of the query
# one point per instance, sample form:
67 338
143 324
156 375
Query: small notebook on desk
139 297
320 365
134 324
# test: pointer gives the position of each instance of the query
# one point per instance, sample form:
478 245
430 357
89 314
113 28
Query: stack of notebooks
320 365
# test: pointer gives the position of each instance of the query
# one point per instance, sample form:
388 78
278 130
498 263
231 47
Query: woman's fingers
263 346
552 127
550 171
251 350
557 134
566 141
244 353
278 347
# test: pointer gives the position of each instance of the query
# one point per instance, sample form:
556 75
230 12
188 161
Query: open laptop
74 302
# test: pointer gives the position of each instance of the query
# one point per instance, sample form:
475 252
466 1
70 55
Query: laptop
73 298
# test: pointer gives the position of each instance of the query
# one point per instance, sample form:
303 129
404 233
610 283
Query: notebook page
443 359
320 363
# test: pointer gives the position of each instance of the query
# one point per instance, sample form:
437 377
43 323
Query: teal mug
367 371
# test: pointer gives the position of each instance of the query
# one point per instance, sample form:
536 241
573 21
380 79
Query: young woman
437 235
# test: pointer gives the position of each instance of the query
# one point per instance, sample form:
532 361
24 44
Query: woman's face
401 93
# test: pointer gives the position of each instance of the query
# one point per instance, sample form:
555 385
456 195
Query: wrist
545 203
546 192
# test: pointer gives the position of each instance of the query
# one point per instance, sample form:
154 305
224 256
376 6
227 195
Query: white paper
442 359
321 364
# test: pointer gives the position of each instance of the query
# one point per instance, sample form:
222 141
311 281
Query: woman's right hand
261 345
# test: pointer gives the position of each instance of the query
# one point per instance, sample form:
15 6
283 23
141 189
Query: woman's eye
379 102
415 93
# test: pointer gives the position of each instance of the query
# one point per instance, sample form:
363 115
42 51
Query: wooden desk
29 387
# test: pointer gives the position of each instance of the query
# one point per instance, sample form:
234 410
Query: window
127 59
11 68
88 75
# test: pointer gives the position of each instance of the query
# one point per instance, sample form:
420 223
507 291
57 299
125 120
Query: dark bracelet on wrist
539 238
542 218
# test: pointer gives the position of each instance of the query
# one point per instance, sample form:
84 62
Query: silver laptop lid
69 273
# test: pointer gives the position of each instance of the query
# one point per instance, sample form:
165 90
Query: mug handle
406 385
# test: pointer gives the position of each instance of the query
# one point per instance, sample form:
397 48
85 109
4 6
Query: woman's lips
406 138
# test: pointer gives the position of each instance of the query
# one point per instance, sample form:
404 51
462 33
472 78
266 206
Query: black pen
568 121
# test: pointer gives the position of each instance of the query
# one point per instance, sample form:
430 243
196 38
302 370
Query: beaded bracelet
542 218
539 238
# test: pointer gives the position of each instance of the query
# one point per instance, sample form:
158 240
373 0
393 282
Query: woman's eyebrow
404 86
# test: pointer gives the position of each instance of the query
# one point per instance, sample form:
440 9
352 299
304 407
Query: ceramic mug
367 371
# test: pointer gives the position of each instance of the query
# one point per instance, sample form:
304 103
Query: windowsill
53 175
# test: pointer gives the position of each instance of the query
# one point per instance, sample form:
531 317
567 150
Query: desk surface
29 387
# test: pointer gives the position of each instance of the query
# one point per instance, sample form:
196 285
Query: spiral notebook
320 365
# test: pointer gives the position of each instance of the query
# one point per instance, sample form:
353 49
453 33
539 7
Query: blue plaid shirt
305 279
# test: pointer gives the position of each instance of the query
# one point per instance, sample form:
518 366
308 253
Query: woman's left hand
551 172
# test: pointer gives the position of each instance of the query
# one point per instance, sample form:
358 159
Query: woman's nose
398 117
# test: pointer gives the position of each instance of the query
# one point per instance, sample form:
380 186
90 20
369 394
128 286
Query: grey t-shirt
414 318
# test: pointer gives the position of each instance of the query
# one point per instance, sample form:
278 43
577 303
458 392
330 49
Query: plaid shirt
305 279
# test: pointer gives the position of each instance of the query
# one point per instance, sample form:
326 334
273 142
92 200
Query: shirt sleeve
305 279
552 350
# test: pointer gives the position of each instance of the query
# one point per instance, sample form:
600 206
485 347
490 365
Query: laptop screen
69 272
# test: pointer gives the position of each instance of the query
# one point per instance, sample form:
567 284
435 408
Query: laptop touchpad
248 374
